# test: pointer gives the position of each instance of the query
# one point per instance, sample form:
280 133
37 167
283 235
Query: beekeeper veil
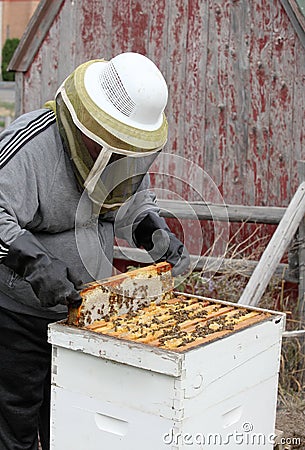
119 104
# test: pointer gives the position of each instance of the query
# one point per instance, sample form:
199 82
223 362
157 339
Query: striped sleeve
19 200
24 135
4 248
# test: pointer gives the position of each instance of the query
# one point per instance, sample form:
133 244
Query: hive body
119 392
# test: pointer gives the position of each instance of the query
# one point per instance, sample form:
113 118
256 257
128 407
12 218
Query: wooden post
301 302
301 238
275 249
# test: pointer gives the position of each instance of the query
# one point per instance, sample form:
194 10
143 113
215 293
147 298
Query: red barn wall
235 71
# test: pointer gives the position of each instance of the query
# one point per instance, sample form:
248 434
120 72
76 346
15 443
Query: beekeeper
72 176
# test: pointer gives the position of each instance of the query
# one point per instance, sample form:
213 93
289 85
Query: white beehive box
113 394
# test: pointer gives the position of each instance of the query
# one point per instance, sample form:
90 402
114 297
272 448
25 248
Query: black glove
51 280
153 234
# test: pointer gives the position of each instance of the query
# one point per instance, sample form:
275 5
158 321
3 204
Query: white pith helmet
126 96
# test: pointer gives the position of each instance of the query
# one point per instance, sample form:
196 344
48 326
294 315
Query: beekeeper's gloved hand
153 234
51 280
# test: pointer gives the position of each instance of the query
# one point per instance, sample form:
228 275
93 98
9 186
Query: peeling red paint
235 72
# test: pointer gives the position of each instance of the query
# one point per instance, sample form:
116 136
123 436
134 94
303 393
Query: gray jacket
39 193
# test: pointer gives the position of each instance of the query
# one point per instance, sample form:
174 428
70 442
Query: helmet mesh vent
115 91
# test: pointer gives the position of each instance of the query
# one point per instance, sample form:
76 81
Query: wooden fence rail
233 213
216 212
